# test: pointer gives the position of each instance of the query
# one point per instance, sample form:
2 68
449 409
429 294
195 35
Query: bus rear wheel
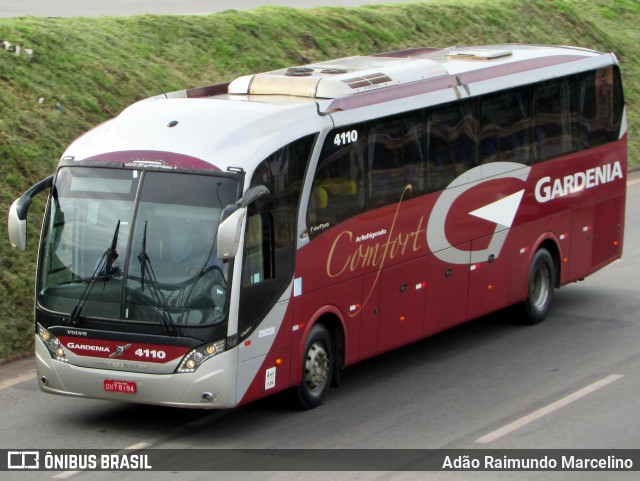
541 284
317 368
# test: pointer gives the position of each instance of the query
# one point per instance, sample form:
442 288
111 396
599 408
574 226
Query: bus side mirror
18 214
230 228
17 228
229 234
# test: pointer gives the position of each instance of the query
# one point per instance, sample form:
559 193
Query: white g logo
501 212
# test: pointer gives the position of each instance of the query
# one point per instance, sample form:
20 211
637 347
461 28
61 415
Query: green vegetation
87 70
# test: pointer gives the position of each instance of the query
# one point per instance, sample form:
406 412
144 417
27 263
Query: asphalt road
570 382
96 8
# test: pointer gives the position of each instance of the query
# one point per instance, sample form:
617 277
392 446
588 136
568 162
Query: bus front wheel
317 368
541 284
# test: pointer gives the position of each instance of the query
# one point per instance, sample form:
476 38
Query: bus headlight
195 358
53 344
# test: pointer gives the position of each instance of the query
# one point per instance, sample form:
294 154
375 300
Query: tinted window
282 173
338 191
554 119
600 104
451 143
258 249
395 159
505 121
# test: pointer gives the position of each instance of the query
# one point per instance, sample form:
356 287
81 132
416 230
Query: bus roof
354 82
348 76
226 124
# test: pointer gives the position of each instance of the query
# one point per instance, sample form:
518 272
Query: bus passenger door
447 292
402 299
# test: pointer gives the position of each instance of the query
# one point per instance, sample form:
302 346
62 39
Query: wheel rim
317 366
541 287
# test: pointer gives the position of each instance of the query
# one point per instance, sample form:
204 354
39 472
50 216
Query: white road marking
28 376
65 474
137 446
523 421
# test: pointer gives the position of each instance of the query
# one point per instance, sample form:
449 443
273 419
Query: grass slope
86 70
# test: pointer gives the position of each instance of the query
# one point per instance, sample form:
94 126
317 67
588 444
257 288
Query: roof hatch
338 78
478 54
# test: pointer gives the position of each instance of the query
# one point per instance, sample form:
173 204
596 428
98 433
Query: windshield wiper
103 271
157 295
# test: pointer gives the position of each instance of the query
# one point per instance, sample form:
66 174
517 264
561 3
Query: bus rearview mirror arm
18 214
230 227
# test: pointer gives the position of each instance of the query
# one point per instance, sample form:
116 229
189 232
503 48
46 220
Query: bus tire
317 368
541 284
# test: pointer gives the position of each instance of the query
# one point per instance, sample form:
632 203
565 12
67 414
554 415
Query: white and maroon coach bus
212 246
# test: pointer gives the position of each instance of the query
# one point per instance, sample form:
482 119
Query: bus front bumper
211 386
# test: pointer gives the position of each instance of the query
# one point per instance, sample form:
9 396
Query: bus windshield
135 245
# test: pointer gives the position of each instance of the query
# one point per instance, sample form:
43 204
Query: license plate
126 387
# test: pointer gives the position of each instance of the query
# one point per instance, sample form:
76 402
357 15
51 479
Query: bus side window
505 120
554 119
600 104
452 146
337 192
395 160
258 249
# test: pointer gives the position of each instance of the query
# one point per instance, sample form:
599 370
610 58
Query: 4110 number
344 138
151 353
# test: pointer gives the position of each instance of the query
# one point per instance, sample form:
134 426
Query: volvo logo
76 333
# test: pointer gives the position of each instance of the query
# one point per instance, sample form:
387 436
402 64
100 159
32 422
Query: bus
212 246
